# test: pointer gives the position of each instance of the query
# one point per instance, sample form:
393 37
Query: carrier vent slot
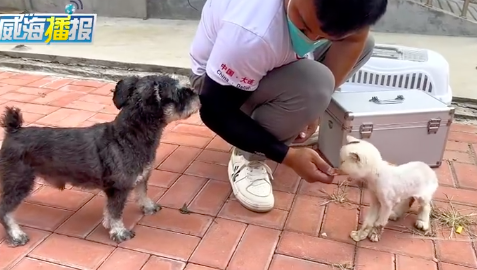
413 80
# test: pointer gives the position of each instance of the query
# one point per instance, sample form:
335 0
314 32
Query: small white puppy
393 189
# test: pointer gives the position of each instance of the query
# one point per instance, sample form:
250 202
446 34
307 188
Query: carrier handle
396 52
398 99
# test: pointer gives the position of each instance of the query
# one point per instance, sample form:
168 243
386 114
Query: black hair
341 17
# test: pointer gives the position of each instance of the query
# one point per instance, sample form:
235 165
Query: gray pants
290 97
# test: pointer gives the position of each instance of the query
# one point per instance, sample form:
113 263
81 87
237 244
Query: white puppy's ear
350 138
355 157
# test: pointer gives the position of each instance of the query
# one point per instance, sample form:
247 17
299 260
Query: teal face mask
300 42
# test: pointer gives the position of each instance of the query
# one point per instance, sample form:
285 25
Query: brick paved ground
302 232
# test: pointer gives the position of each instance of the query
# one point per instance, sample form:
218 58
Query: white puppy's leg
106 221
369 220
423 217
401 208
384 212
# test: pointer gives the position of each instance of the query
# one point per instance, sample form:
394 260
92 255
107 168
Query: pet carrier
393 67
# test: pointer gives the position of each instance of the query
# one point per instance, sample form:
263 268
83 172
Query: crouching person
265 72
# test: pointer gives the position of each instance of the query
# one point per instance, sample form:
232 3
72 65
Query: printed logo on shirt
230 76
225 72
246 81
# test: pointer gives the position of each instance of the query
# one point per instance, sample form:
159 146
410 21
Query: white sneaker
251 182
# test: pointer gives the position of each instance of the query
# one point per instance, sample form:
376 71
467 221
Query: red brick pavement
300 233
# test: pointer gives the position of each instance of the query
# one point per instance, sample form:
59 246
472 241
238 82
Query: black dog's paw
121 236
151 209
18 241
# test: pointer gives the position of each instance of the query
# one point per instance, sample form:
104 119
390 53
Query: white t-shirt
238 41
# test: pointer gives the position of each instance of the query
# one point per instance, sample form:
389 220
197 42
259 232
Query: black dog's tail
12 119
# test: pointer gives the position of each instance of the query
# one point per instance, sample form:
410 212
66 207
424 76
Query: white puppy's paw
375 234
359 235
422 225
394 216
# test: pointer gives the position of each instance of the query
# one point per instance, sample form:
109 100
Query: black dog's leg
147 205
113 215
17 183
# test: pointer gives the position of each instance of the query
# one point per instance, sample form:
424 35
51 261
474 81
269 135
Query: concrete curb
85 68
85 62
464 100
115 70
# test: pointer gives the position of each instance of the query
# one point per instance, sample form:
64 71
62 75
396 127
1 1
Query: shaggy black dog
115 157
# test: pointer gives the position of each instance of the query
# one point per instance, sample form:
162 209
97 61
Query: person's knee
320 89
302 93
369 46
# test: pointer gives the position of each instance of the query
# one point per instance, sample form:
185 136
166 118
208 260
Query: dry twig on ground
451 218
184 210
342 266
338 196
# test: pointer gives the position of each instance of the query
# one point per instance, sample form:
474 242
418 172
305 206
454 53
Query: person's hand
308 164
309 130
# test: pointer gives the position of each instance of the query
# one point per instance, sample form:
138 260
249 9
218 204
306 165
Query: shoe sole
245 202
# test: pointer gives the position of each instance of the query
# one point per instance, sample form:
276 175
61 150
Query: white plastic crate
394 67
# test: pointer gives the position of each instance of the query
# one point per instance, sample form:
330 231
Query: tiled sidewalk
305 231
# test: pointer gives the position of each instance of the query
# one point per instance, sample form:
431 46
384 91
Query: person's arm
344 54
237 63
220 111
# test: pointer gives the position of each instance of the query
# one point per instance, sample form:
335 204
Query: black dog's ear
123 91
